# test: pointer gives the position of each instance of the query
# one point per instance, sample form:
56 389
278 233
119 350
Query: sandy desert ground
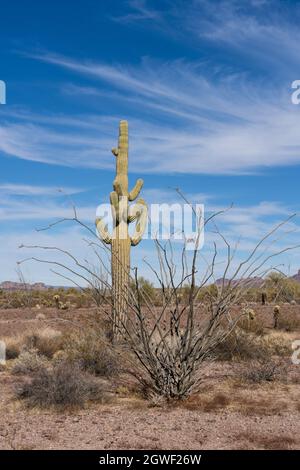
227 413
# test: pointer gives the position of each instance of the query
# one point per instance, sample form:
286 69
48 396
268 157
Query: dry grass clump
240 345
278 344
288 323
91 350
64 385
260 371
241 402
206 403
260 407
46 341
29 362
243 345
13 346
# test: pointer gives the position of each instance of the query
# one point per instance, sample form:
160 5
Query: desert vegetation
184 347
65 362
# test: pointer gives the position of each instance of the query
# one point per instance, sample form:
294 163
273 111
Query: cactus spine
120 239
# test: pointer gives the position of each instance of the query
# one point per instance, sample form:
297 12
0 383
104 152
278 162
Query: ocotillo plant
120 239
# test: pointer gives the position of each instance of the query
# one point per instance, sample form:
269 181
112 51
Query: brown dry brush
63 385
168 346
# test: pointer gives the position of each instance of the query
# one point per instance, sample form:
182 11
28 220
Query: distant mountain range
256 281
11 286
296 276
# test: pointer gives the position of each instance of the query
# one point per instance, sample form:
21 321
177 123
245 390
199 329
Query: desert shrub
278 344
29 362
263 371
64 385
13 346
147 290
16 300
205 293
281 288
288 323
244 345
92 352
46 341
241 345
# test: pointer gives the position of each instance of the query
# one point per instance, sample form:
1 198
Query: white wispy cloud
219 121
71 238
23 202
197 117
30 190
140 11
264 31
41 211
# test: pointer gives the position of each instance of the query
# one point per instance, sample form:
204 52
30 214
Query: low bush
263 371
64 385
240 345
278 344
46 341
29 362
288 323
243 345
13 345
91 350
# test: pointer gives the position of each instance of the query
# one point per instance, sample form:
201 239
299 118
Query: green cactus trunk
120 240
120 270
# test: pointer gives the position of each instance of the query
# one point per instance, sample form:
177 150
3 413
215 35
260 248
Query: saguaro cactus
120 239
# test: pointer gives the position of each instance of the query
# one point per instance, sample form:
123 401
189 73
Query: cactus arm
136 190
134 211
140 211
103 231
119 187
114 201
121 153
123 137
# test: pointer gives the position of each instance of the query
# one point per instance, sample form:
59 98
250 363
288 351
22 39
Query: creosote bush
263 371
243 345
46 341
29 362
13 346
240 345
64 385
91 350
288 323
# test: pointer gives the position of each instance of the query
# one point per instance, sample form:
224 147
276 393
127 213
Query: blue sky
205 86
